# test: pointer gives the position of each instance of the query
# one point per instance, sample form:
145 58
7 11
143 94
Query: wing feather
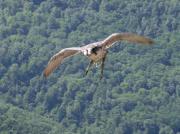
58 58
134 38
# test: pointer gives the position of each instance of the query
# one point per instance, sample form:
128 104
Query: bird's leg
88 67
102 66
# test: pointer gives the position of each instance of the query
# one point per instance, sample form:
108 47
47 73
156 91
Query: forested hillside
140 91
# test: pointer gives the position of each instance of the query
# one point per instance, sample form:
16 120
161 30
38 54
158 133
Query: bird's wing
58 58
92 45
134 38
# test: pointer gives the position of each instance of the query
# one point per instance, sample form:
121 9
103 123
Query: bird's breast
99 55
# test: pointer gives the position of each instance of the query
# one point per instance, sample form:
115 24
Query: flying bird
96 52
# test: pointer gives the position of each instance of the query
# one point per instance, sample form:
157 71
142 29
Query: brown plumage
96 52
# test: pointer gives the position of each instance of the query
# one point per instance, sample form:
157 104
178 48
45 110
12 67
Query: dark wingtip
151 41
45 74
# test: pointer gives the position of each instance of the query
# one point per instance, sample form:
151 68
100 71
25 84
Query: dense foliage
140 91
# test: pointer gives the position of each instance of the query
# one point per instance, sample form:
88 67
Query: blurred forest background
140 91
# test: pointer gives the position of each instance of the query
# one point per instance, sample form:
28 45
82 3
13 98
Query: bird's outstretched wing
134 38
58 58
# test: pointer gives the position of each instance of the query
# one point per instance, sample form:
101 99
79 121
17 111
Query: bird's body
96 52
